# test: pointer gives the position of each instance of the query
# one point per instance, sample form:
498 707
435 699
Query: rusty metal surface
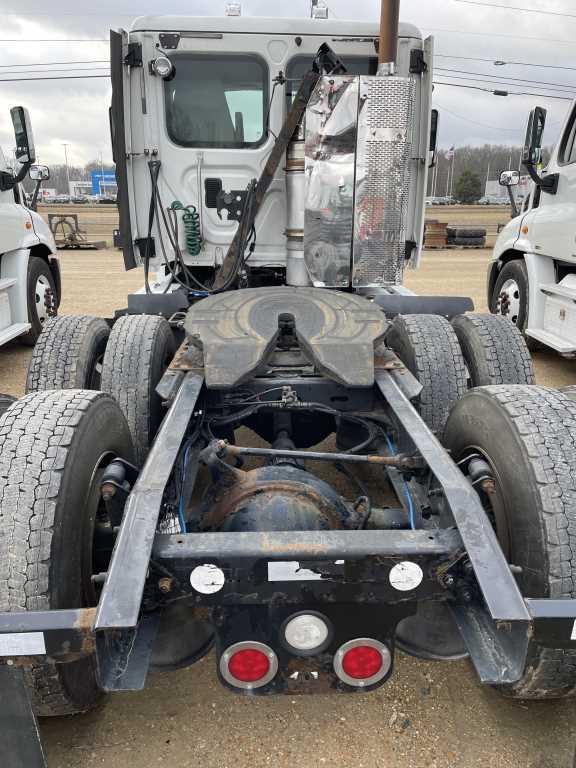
407 462
68 635
255 495
187 358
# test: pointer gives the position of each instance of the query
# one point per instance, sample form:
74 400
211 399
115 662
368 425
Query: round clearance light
307 633
162 66
362 662
249 665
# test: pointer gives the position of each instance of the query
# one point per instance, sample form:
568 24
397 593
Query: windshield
217 101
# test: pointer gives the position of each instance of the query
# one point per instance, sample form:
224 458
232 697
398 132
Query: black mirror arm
34 203
547 183
515 210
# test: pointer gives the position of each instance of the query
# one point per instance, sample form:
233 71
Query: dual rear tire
527 435
53 530
450 358
127 362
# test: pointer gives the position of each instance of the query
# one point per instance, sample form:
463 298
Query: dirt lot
429 716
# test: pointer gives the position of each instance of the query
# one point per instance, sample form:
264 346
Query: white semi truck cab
198 104
30 284
532 277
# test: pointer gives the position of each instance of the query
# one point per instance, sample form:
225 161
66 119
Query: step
557 289
13 331
7 283
561 345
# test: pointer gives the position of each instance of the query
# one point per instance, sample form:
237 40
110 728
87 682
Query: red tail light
248 665
362 662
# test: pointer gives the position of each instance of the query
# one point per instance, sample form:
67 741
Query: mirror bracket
7 181
547 183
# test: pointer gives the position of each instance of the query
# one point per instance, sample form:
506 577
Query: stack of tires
465 237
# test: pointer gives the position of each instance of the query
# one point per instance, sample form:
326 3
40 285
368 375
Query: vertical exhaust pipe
389 24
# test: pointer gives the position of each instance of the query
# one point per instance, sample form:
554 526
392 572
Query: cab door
211 131
553 228
120 137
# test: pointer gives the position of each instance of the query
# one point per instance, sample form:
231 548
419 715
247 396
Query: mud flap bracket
20 744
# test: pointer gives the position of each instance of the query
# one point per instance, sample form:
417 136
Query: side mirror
39 173
25 149
509 178
532 153
434 136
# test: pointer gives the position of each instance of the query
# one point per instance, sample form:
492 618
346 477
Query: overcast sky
76 111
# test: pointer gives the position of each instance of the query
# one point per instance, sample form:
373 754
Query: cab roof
263 25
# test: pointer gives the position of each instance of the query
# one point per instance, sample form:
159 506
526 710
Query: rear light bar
248 665
362 662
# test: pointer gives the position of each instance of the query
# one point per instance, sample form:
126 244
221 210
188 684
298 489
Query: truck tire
473 233
42 298
139 350
494 350
69 354
528 436
470 242
51 448
429 348
511 298
5 402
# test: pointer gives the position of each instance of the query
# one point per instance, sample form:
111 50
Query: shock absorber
191 221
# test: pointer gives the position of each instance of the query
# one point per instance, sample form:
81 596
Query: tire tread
61 353
498 347
36 435
439 364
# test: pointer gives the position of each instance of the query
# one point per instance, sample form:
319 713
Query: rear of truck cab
212 123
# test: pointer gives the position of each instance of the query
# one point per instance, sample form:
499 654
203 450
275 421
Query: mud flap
20 745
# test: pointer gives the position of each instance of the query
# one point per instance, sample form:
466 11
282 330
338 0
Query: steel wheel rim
509 301
42 292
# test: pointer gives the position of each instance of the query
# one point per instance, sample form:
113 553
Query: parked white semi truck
30 284
271 180
532 277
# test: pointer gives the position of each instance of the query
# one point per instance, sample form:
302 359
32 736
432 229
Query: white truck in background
30 284
532 277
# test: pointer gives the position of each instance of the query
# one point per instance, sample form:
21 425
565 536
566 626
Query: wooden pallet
457 248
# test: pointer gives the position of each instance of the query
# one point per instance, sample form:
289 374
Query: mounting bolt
448 581
165 585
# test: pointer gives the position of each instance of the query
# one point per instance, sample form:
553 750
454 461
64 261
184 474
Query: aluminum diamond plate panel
383 176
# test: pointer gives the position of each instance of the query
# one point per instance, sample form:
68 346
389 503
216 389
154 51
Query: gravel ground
428 716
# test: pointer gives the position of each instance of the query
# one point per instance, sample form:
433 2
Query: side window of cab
567 153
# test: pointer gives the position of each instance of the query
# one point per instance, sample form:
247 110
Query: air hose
191 221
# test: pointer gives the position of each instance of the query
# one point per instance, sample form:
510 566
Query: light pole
67 166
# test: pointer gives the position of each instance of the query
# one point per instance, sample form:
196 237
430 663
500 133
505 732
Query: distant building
104 183
80 188
493 189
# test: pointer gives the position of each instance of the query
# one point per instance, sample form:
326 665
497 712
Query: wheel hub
509 301
44 300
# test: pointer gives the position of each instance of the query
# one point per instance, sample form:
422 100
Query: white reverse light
233 9
307 633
